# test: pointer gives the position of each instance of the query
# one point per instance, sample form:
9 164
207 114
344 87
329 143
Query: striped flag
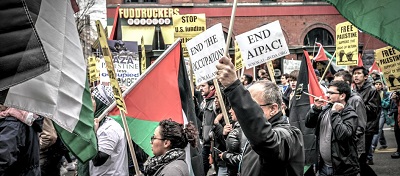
378 18
321 56
162 92
22 55
61 94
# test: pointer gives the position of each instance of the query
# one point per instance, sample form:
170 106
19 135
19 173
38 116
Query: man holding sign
258 111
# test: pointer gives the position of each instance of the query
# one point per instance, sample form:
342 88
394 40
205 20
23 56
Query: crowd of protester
259 136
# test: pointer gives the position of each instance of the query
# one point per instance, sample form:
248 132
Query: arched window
319 35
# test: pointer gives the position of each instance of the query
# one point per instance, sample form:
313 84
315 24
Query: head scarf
103 97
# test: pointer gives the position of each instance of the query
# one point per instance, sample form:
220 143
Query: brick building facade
302 21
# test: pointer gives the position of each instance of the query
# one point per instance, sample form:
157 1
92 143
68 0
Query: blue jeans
378 137
325 171
222 171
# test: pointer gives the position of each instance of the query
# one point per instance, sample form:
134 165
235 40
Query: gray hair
271 92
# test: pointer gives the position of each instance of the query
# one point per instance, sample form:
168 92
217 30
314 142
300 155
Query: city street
384 165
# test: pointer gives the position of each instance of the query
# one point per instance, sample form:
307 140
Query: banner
205 50
388 59
262 44
238 57
188 26
290 65
93 71
346 44
126 62
110 66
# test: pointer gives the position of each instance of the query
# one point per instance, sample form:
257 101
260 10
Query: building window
216 1
140 1
319 35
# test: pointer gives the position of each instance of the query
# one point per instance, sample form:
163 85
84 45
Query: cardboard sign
188 26
205 50
346 44
388 59
290 65
262 44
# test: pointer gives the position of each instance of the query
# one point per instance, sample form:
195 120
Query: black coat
274 147
19 147
343 142
372 102
235 142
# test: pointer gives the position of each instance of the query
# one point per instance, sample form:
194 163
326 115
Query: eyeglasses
266 104
329 92
152 138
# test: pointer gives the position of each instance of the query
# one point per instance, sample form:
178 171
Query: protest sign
92 67
205 50
126 63
238 57
262 44
290 65
346 44
188 26
387 59
110 66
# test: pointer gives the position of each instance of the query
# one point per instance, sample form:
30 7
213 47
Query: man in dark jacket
274 147
19 143
207 115
335 127
372 103
358 104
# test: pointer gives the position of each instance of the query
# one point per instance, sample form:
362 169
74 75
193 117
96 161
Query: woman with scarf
168 143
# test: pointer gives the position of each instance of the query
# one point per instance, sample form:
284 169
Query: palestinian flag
360 62
374 67
22 55
301 103
62 94
321 56
378 18
162 92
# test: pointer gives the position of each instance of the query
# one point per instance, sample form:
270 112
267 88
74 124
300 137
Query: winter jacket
372 102
19 143
343 142
235 142
358 104
274 147
177 167
208 119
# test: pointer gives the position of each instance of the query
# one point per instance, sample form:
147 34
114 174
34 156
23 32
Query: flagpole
314 47
327 67
270 71
191 76
228 41
130 144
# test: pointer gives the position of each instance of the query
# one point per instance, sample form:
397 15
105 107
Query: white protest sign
126 68
205 50
290 65
262 44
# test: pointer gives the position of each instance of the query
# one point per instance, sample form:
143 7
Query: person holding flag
258 111
335 127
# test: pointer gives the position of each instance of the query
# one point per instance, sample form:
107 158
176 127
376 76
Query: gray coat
177 167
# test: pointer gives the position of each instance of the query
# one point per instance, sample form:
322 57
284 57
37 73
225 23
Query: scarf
154 163
211 94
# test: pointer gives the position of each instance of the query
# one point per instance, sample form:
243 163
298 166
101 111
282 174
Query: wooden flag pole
130 144
191 76
228 41
271 71
327 67
314 47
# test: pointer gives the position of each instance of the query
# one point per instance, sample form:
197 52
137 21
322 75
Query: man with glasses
335 127
274 147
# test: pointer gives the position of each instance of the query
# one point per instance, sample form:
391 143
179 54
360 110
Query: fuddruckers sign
148 16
